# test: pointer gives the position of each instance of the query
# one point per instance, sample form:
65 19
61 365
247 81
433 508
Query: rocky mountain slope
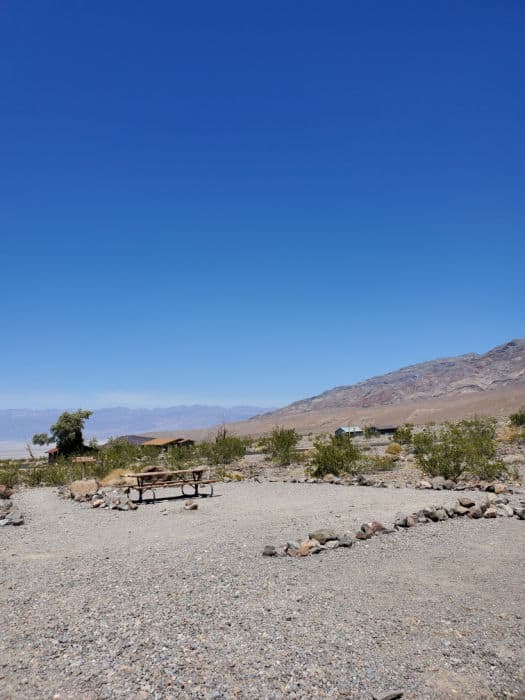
500 368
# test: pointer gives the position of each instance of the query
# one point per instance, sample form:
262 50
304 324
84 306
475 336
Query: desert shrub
377 463
518 419
224 449
118 454
404 434
369 431
8 475
281 445
465 446
181 456
394 450
335 455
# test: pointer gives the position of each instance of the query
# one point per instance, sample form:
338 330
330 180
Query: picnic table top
194 470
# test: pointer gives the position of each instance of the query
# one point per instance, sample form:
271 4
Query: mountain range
22 424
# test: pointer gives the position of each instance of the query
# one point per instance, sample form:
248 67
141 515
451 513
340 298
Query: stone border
321 540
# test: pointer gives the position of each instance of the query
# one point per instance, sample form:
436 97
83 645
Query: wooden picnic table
183 478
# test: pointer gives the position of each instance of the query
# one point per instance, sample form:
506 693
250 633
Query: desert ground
167 603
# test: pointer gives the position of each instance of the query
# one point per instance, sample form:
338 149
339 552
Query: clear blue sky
254 201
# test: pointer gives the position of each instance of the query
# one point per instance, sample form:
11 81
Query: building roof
164 442
350 429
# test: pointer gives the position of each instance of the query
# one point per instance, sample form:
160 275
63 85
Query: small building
383 429
164 443
352 430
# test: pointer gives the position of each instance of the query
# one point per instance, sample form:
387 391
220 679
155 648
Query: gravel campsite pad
167 603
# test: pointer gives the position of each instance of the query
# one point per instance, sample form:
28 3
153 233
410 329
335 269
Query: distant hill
500 368
22 424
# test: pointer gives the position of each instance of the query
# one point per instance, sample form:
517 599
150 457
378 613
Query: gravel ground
167 603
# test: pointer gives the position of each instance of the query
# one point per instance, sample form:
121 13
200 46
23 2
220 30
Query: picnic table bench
192 479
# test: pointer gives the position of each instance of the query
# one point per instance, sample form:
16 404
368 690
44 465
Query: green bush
281 444
404 434
377 463
8 475
465 446
518 419
225 449
338 454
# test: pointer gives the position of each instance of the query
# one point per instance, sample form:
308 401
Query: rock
365 533
291 544
437 483
441 514
5 508
400 520
328 478
460 486
490 513
83 489
97 501
460 510
410 521
269 551
423 484
304 548
332 544
491 497
475 512
466 502
190 505
391 695
505 509
15 517
131 505
520 513
376 527
323 536
448 484
500 488
347 540
5 492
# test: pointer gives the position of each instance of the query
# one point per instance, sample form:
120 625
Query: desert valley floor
167 603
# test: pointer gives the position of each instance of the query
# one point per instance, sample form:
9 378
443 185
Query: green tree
281 444
465 446
66 433
338 454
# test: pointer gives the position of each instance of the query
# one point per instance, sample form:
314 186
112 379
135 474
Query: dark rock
347 541
269 551
520 512
322 536
448 484
475 512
